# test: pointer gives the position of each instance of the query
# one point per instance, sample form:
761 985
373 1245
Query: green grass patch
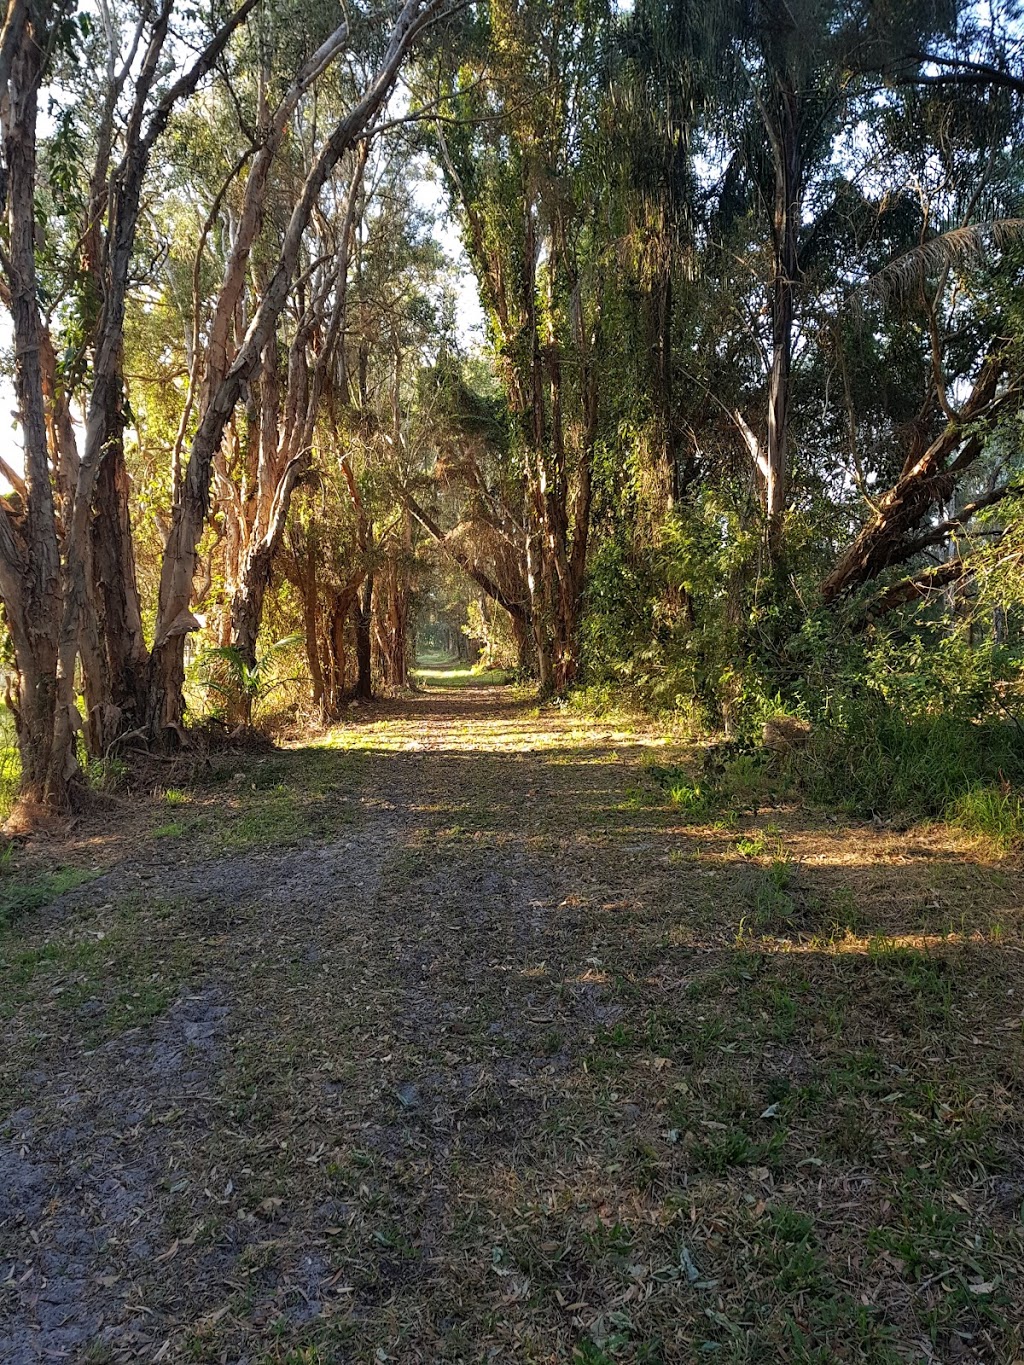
461 675
174 830
937 766
284 799
673 783
992 811
21 894
110 975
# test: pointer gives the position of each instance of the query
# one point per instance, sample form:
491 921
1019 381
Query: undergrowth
969 774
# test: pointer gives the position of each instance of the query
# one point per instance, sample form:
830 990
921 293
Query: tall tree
520 169
225 382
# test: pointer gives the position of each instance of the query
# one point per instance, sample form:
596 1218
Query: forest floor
443 1038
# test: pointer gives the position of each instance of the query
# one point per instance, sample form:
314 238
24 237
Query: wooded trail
441 1038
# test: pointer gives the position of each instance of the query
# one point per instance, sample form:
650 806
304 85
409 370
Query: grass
774 905
22 892
996 813
539 1071
942 766
106 980
174 829
968 774
445 673
10 764
285 798
696 800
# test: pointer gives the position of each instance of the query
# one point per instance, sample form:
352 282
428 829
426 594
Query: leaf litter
442 1046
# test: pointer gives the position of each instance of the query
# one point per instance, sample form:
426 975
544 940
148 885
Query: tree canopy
742 434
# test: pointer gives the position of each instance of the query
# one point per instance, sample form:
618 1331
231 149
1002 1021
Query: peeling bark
165 701
30 568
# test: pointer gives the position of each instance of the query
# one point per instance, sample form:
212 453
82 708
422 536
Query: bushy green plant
993 811
911 712
661 618
881 761
238 685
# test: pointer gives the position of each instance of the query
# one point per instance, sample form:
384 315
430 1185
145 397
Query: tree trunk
30 568
785 228
257 569
362 615
925 481
115 689
664 377
247 602
312 642
99 555
524 645
338 689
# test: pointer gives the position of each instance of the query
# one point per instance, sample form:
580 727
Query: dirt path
445 1040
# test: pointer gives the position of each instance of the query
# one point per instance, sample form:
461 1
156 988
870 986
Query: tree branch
939 533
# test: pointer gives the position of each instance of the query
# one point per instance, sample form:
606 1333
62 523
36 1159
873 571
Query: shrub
939 766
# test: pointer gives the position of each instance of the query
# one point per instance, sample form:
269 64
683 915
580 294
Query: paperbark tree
30 568
99 553
52 563
165 702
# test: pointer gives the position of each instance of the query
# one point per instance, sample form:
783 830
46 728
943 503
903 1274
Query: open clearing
444 1038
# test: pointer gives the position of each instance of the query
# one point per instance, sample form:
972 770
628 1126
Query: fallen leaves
457 1111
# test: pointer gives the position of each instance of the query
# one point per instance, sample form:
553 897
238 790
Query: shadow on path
436 1042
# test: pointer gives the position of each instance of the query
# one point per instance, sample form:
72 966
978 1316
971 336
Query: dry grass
516 1066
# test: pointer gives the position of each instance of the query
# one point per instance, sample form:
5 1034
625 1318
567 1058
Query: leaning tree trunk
888 537
286 430
247 601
